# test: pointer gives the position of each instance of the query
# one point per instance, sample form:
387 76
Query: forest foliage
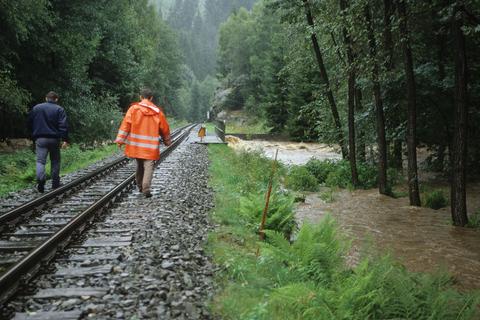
368 76
266 57
95 55
196 24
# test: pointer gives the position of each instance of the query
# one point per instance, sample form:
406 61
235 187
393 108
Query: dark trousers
45 146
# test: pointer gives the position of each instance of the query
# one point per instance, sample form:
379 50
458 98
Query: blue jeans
44 146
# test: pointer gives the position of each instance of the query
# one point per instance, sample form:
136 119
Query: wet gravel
163 272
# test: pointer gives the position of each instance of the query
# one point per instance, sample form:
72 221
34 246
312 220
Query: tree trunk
381 138
362 153
413 190
387 33
352 152
459 152
388 11
326 82
397 154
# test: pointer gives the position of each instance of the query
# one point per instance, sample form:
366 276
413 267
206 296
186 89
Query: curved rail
27 267
13 215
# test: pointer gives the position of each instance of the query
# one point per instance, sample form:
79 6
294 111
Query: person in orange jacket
140 131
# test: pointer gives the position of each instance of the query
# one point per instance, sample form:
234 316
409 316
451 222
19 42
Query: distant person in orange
141 129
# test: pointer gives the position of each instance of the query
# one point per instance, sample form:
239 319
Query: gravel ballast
162 271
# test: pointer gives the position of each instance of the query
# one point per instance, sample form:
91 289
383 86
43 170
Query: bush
341 177
300 179
279 216
92 119
474 220
436 199
320 169
338 174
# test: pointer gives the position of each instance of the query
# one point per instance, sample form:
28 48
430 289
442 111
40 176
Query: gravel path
163 272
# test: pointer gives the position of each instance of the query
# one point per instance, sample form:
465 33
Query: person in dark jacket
48 124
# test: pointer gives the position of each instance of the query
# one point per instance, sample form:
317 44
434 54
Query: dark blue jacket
48 120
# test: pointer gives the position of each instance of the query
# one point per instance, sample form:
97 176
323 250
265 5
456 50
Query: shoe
41 186
56 186
148 195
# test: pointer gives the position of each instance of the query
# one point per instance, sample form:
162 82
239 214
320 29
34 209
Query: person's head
52 96
146 93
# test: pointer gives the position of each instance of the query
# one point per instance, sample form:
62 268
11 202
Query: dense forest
376 77
95 55
197 23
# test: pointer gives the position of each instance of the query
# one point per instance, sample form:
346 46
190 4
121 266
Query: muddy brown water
422 239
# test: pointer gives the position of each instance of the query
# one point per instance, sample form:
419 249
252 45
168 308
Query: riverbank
422 239
310 277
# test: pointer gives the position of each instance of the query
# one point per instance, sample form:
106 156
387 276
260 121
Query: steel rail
11 216
28 266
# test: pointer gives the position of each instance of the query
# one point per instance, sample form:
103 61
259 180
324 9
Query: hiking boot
148 194
41 186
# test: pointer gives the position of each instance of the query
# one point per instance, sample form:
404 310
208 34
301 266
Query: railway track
35 232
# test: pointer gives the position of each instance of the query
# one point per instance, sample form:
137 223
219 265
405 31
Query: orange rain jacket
141 129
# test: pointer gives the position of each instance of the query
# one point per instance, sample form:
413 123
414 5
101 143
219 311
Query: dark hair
146 93
52 96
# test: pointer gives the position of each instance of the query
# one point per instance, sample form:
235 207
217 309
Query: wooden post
267 202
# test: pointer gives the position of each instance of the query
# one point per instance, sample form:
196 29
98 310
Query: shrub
328 195
341 177
320 169
300 179
436 199
474 220
338 174
280 216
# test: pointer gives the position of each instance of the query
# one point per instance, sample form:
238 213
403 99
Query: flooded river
288 152
420 238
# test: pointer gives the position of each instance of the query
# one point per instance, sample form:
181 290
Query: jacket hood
148 108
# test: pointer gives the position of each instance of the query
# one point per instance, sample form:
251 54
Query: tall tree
459 152
352 152
380 117
413 190
326 82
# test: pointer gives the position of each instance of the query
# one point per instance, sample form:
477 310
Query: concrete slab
209 139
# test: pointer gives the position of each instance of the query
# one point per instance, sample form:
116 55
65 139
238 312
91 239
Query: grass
328 195
435 199
251 126
306 278
474 220
17 169
176 123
